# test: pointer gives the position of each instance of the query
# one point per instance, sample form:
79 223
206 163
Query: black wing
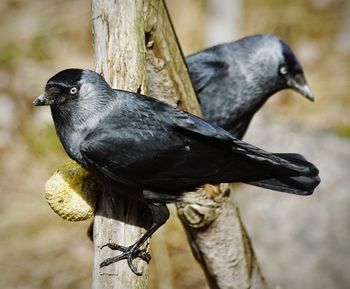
153 142
204 71
200 127
162 148
220 83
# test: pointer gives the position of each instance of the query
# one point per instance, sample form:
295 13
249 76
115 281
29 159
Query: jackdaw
157 150
234 80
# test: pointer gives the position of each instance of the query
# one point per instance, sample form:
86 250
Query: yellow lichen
70 192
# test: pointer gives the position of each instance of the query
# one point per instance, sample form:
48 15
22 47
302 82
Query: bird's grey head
278 63
69 85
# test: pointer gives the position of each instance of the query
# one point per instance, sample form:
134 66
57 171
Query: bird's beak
41 100
300 85
304 90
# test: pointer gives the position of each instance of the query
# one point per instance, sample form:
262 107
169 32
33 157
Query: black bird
157 150
234 80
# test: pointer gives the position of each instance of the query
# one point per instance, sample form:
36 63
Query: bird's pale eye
283 70
73 90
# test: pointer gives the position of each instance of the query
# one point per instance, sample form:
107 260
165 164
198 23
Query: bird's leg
160 215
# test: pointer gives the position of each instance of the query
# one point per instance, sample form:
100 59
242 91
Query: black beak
41 100
299 84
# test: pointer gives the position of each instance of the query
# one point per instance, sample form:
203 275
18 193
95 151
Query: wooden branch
119 43
136 49
219 240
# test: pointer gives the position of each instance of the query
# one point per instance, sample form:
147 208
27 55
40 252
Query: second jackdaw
234 80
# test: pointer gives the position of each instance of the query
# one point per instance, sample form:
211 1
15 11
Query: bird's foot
129 253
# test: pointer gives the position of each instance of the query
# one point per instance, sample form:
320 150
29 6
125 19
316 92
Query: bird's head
291 73
63 86
278 64
69 85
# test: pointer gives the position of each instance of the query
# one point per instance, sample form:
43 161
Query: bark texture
120 57
136 49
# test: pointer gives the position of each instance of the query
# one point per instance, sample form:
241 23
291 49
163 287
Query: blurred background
299 242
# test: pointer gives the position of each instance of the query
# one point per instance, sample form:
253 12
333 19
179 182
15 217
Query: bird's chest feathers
73 135
71 141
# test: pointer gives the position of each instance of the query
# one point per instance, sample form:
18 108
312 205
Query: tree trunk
137 50
120 58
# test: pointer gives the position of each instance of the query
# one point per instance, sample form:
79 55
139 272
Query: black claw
132 267
160 214
129 253
114 246
144 255
113 260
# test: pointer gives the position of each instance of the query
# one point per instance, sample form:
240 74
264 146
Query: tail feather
294 185
294 163
299 160
304 184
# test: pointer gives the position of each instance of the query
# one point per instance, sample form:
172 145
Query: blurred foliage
39 148
8 55
39 37
343 130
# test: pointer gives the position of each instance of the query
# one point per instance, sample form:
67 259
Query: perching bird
157 150
234 80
